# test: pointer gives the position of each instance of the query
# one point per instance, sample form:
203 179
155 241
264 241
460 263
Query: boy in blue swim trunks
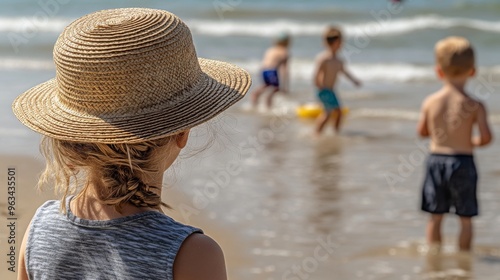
275 66
448 118
328 66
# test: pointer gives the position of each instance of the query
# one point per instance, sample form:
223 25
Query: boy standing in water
274 65
448 117
328 66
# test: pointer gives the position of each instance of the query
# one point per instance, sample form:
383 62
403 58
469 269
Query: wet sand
284 205
343 205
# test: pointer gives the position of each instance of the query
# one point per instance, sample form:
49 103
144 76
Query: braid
143 196
121 185
117 171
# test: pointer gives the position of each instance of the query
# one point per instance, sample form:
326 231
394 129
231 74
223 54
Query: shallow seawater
335 207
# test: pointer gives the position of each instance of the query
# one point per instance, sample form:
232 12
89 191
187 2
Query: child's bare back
450 116
274 57
329 67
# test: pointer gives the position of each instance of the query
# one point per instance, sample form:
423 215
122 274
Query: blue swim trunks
450 180
271 77
329 99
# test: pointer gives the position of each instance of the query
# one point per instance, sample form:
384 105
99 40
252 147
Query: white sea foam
385 113
269 28
399 72
14 132
398 114
302 70
29 25
370 28
11 63
251 28
406 25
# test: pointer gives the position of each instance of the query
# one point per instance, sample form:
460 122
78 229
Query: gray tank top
141 246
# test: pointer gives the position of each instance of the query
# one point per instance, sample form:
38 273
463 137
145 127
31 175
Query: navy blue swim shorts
450 181
271 77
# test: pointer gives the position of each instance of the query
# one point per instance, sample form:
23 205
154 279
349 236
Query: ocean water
294 191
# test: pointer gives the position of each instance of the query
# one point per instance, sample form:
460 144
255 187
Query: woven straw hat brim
221 85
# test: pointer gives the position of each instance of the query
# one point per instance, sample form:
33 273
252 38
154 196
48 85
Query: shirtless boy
448 117
328 66
274 70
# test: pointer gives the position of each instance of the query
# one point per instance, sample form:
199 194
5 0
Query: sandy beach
27 200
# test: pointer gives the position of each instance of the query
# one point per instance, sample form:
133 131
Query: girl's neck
87 206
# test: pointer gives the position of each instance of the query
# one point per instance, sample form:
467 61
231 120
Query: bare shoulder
431 99
476 105
472 105
270 51
480 105
475 102
321 57
203 253
201 241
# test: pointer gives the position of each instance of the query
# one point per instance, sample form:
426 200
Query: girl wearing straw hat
128 88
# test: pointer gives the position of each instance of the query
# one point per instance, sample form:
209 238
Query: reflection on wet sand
457 265
325 176
294 194
445 264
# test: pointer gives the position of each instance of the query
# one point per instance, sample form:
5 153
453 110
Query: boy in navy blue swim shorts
271 78
448 118
450 180
274 65
328 66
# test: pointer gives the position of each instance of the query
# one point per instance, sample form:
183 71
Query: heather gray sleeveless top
141 246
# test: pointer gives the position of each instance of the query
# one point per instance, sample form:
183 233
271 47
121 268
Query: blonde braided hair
117 171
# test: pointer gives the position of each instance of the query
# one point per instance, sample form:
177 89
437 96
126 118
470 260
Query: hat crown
124 62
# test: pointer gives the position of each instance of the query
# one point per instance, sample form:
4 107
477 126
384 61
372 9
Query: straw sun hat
126 76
